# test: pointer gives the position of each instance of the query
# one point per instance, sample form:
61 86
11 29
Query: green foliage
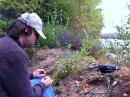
120 48
89 42
3 24
68 66
52 33
69 46
124 35
31 50
51 40
82 15
75 16
62 70
58 90
75 10
42 7
71 64
123 32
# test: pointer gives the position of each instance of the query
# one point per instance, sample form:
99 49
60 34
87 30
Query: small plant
63 69
69 46
58 90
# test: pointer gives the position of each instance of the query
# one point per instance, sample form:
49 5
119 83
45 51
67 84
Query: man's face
30 40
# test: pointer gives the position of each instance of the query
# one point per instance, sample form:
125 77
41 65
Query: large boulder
68 38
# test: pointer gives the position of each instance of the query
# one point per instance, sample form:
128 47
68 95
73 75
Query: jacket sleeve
15 77
31 76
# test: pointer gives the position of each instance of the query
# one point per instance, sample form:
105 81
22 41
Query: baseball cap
34 21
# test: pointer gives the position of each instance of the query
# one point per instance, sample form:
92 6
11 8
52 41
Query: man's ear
25 31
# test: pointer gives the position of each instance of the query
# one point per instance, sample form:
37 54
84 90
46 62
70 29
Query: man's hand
47 81
39 73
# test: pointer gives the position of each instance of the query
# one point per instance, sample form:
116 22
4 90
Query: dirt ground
85 83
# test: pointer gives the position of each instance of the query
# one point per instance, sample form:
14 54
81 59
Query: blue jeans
49 92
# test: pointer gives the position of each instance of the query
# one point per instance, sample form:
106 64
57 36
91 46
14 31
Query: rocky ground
84 83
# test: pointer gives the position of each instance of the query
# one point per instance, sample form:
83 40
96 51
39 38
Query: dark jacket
14 76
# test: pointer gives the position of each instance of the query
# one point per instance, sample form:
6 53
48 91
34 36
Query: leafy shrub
8 12
81 14
52 33
88 43
3 25
51 40
62 70
72 15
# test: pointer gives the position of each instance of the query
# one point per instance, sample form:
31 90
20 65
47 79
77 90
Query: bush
62 70
59 16
81 14
50 42
3 25
8 12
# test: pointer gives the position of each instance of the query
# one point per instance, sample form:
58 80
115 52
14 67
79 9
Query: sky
115 12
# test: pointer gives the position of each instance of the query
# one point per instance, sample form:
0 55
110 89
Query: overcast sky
115 12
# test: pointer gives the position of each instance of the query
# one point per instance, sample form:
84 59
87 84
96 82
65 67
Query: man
14 76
